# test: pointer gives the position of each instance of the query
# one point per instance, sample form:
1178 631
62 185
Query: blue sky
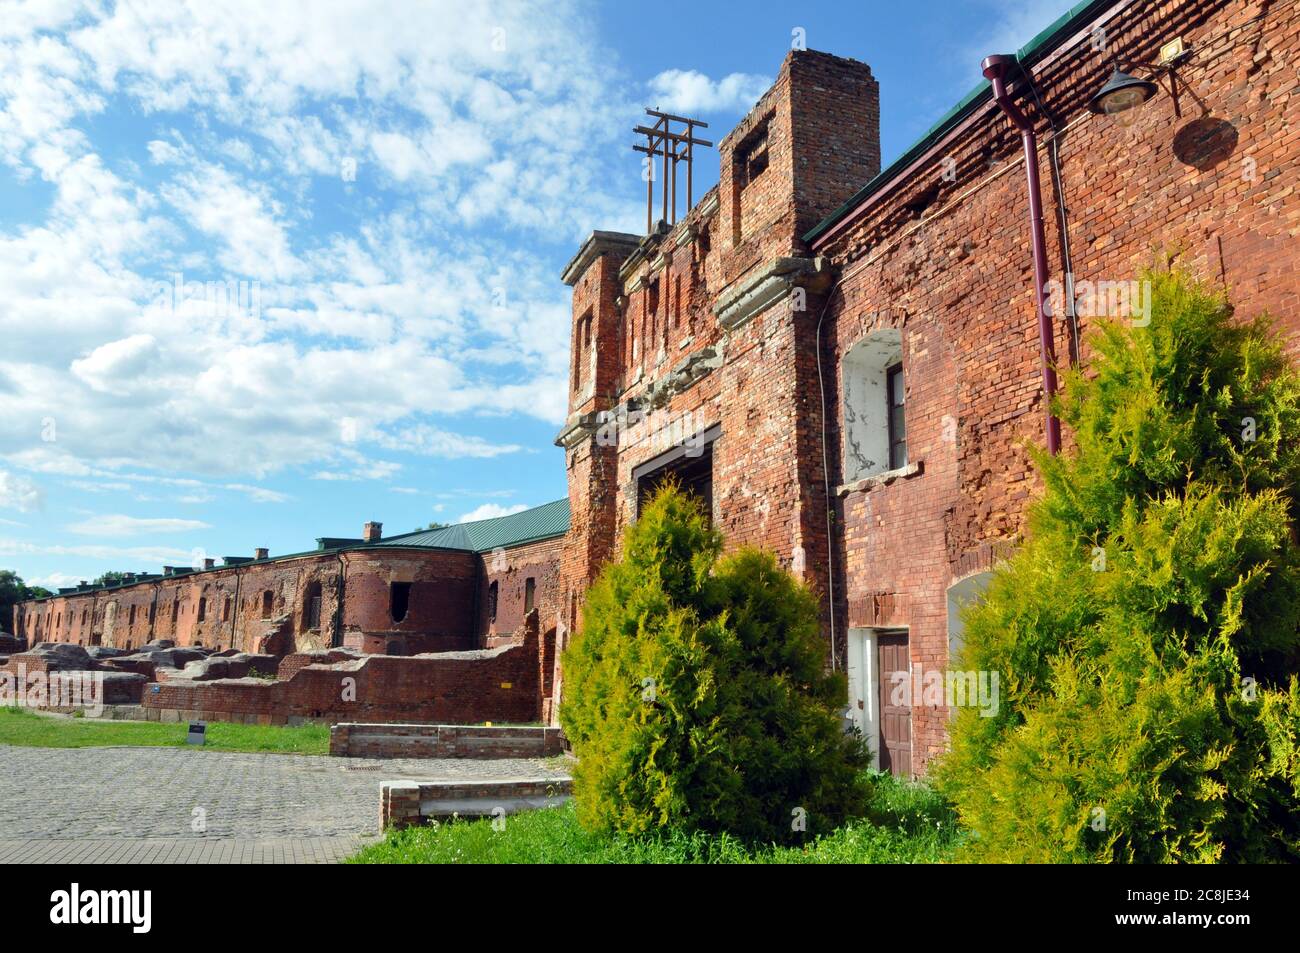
273 270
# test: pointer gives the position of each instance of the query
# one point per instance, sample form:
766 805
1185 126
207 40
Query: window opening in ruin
176 610
753 155
874 435
530 590
266 604
492 603
203 608
399 600
690 464
311 606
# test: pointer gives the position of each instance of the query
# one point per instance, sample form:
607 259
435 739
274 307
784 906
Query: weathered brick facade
802 316
715 322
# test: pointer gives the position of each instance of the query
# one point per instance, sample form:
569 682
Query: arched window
399 600
875 428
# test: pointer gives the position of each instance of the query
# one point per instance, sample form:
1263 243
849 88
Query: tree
111 578
1146 633
13 591
697 697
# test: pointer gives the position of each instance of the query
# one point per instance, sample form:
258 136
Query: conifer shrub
1146 632
696 696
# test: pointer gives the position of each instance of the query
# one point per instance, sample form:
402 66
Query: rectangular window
203 608
313 612
492 603
897 423
530 589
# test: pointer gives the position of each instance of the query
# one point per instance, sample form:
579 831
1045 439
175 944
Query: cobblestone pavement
119 805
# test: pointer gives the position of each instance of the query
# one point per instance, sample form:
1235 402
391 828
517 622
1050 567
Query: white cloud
54 581
118 366
115 555
259 494
490 510
417 302
19 493
117 524
690 91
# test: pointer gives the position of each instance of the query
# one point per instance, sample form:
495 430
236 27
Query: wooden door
895 707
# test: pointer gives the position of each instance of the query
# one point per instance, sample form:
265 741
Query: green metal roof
1046 41
541 522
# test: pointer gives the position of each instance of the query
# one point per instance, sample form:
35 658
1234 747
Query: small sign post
198 733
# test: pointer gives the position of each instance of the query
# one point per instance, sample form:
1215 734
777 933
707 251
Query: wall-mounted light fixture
1121 93
1124 91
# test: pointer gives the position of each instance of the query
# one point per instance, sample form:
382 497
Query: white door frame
864 694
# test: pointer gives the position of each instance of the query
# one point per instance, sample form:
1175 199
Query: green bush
1146 634
696 696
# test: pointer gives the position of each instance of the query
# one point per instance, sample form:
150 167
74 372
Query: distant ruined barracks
844 362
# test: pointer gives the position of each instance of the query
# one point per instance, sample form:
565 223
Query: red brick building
846 362
458 588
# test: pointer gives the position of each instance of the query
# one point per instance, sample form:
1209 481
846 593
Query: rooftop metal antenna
662 142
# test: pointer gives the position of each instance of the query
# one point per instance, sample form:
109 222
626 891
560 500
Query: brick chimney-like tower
706 324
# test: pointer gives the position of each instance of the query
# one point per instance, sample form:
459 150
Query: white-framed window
875 427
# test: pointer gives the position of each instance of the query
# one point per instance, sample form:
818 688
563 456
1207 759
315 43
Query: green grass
907 823
28 729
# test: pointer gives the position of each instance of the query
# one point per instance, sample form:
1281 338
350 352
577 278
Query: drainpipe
996 69
336 639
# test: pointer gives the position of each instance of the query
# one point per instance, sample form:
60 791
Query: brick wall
510 570
440 606
499 685
947 262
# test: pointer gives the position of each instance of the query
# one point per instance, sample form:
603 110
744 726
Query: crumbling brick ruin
459 605
842 360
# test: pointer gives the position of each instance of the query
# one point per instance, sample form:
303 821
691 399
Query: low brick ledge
411 803
373 740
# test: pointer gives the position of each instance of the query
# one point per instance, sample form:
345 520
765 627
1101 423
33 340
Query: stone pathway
179 805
